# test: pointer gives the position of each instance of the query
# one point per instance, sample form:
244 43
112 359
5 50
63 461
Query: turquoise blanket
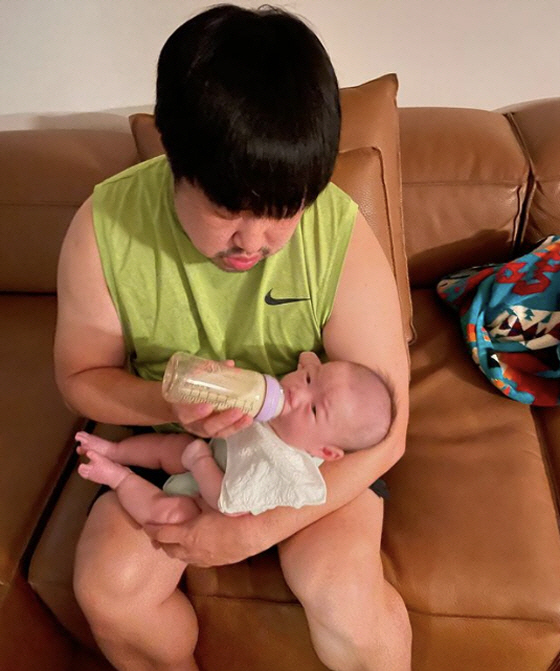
510 318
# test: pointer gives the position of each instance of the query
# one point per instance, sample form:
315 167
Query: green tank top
169 297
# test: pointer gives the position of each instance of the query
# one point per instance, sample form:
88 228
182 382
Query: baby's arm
150 450
142 500
197 458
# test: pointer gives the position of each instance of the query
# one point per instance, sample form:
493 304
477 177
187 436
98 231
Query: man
232 247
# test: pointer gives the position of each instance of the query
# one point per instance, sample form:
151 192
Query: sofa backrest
465 185
475 184
537 124
45 175
478 186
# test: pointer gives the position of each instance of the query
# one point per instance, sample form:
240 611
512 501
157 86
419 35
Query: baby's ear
331 453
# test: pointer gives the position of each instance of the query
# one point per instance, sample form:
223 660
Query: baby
329 409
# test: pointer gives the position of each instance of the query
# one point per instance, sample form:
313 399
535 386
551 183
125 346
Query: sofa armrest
35 426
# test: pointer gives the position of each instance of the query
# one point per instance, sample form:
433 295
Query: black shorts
157 477
380 488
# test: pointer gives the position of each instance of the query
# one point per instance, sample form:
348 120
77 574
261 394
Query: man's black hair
248 109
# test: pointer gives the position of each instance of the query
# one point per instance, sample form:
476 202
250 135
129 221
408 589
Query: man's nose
250 236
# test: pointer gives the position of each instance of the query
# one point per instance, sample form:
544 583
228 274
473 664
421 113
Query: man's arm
90 353
89 347
366 327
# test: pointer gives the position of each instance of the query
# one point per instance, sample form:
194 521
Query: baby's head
333 408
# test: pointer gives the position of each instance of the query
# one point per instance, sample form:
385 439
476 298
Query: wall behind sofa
76 57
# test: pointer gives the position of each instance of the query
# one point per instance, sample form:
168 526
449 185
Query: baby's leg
197 458
142 500
150 450
102 470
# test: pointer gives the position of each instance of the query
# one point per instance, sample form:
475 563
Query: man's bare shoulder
87 319
79 241
80 275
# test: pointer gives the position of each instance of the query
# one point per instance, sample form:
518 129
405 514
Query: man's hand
201 420
211 539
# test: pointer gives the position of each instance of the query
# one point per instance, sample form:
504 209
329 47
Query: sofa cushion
464 189
538 125
45 175
368 167
471 536
548 421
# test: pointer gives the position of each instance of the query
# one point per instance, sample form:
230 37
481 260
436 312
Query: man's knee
103 589
374 636
355 601
331 579
114 565
334 568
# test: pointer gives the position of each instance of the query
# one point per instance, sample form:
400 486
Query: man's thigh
356 619
338 556
116 556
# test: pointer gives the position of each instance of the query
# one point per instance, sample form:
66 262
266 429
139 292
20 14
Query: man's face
234 242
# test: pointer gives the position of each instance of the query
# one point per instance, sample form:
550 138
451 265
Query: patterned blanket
510 318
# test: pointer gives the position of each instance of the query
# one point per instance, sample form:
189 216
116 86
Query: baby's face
319 405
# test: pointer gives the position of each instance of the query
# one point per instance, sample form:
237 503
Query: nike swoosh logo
269 300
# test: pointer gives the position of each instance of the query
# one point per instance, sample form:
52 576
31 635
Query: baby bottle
191 379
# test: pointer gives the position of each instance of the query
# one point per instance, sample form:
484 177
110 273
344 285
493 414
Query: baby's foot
197 449
103 470
90 443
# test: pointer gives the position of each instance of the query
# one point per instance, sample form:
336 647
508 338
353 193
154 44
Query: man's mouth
241 262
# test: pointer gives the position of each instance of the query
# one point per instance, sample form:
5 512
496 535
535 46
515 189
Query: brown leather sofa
471 535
